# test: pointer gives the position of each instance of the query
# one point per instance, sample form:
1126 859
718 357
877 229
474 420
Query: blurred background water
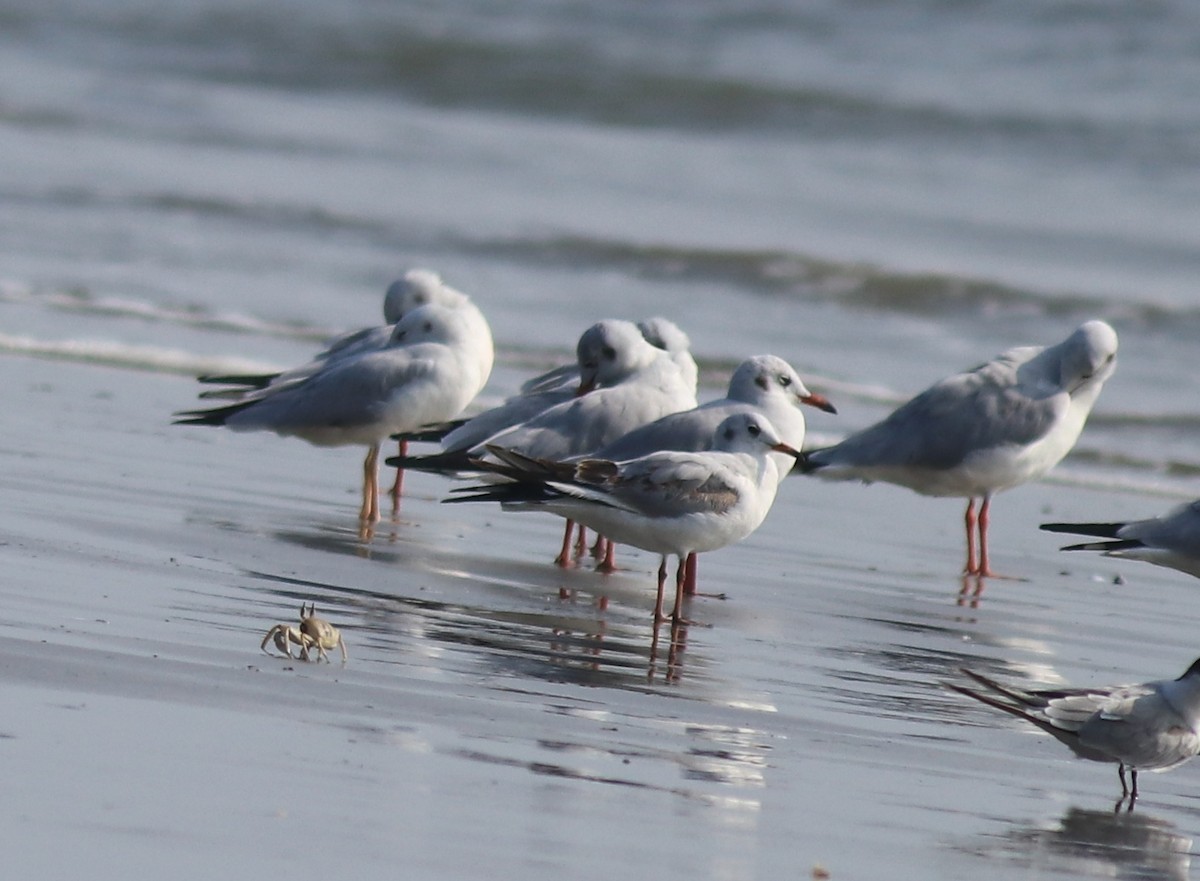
882 192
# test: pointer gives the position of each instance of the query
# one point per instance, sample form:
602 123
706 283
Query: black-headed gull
764 384
669 503
1171 540
1002 424
662 333
426 374
416 288
1149 727
611 364
641 384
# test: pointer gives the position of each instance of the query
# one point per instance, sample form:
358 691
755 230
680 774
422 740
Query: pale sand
493 721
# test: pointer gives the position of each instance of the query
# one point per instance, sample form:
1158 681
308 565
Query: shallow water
880 193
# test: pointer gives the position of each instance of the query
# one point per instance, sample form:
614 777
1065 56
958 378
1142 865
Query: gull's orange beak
819 401
784 448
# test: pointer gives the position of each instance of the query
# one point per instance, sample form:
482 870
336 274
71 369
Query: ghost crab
312 633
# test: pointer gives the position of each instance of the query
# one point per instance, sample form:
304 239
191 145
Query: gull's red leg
970 521
564 557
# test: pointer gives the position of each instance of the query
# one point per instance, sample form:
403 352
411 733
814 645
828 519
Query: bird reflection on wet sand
1097 844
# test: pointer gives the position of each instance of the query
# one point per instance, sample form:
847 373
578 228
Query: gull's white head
430 323
749 433
609 351
662 333
762 377
1088 356
417 287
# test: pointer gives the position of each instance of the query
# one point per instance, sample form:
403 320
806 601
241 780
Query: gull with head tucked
624 382
974 434
427 373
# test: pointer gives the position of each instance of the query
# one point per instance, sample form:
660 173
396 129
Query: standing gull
669 503
643 384
416 288
761 384
600 353
426 374
662 333
1149 727
1171 540
1002 424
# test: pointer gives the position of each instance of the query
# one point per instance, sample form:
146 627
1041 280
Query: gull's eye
754 430
428 326
785 381
609 352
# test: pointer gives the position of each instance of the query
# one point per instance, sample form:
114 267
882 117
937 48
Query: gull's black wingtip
1100 530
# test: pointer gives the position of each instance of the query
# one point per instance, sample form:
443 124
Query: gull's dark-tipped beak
784 448
819 401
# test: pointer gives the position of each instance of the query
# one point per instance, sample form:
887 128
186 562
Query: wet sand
501 717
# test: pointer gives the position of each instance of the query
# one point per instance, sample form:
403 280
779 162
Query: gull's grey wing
665 485
1178 530
947 422
489 423
348 393
686 431
356 342
562 378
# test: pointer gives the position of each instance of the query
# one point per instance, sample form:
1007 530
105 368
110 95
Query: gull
764 384
668 502
426 374
662 333
610 365
974 434
642 384
1171 540
1149 727
421 287
416 288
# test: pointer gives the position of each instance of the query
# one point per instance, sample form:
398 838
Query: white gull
662 333
1149 727
974 434
669 502
428 373
764 384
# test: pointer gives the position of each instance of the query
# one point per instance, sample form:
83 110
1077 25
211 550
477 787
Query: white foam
114 354
125 307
